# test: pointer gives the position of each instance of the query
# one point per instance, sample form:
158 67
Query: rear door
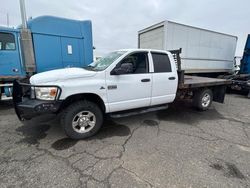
164 78
9 55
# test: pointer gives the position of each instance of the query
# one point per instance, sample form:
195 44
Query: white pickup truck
122 80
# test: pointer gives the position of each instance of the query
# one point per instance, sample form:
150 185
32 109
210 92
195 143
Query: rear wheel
82 119
203 99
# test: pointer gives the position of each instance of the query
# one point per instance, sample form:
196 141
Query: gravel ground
178 147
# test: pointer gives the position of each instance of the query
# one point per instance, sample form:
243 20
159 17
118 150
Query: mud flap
219 94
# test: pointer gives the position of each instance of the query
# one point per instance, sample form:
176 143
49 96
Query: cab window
7 41
139 61
161 62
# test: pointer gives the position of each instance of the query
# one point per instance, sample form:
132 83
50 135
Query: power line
5 19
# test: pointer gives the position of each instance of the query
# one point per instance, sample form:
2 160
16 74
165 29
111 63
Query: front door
9 55
132 90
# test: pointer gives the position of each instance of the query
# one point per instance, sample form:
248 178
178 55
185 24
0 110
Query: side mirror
125 68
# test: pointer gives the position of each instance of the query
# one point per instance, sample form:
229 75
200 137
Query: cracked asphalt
177 147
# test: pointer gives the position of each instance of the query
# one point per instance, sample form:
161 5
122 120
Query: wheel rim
83 122
205 101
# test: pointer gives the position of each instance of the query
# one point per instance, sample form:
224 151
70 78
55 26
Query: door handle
171 78
145 80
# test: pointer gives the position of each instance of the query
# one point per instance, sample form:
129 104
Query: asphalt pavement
177 147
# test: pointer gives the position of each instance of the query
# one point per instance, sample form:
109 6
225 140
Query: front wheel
82 119
203 99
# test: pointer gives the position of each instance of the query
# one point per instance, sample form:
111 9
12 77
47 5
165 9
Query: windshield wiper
90 67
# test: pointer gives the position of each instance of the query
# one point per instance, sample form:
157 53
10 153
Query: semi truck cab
53 43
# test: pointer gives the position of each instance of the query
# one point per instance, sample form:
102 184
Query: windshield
104 62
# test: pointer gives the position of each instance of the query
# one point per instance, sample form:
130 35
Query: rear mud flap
219 94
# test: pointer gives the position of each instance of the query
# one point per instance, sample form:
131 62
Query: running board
4 98
137 111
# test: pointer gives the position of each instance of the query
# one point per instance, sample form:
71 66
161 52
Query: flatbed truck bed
197 81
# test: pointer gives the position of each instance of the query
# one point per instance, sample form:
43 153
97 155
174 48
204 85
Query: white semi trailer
203 51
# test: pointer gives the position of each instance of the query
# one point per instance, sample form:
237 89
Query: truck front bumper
27 107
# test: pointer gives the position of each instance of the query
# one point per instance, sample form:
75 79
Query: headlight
46 93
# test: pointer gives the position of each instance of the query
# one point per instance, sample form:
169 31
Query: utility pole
8 20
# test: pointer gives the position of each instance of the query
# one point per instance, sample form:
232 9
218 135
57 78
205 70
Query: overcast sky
116 22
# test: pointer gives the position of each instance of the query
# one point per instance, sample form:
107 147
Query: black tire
71 112
198 99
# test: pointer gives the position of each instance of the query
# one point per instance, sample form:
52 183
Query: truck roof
8 29
54 26
58 26
140 50
163 22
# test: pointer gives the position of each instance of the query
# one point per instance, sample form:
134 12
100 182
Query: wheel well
85 96
218 92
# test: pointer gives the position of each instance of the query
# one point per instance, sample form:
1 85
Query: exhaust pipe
27 43
23 14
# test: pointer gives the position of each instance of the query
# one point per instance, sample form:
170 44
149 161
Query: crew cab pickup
122 80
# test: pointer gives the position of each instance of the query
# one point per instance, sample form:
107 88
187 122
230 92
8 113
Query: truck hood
60 75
